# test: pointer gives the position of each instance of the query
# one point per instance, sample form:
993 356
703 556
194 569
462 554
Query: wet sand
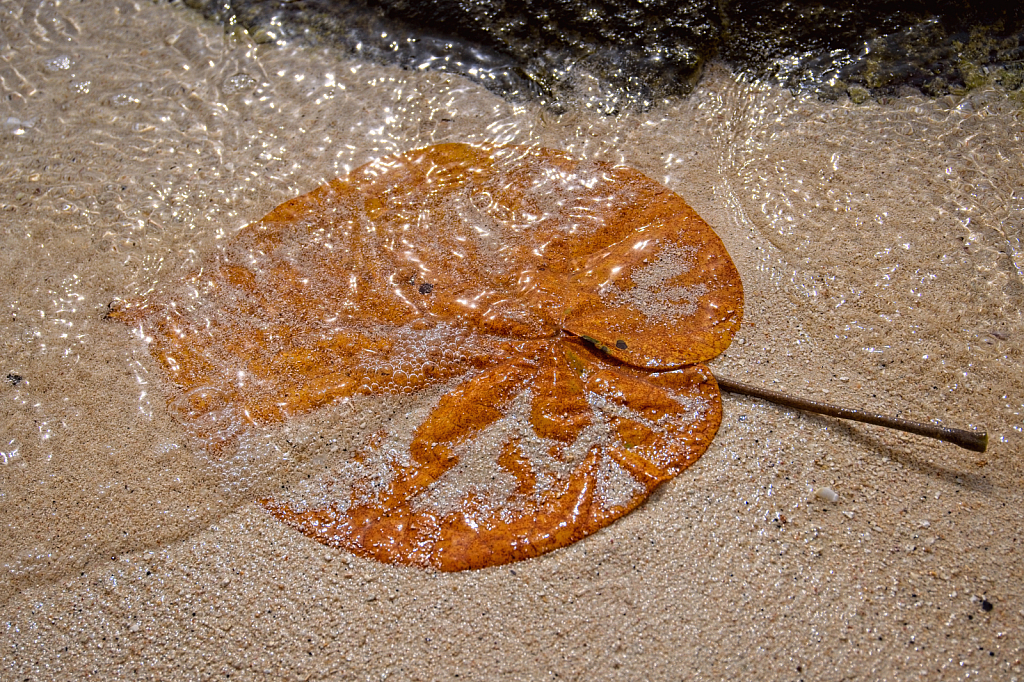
881 252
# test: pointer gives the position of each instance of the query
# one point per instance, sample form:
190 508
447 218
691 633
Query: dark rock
630 54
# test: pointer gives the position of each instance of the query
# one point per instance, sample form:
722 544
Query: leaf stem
971 440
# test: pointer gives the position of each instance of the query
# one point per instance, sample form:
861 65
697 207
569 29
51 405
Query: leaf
571 301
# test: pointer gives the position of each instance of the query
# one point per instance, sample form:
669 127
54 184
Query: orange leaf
479 265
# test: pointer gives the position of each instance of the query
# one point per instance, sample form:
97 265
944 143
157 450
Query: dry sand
882 257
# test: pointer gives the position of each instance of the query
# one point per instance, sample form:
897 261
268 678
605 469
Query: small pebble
827 494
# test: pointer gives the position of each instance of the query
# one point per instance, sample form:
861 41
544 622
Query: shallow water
881 252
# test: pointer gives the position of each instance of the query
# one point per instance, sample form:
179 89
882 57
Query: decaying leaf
572 302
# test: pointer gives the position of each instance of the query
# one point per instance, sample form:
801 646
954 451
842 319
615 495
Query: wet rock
611 56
